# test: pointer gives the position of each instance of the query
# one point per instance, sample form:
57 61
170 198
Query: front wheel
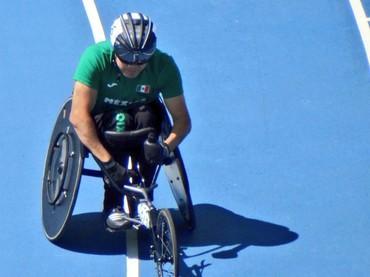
165 250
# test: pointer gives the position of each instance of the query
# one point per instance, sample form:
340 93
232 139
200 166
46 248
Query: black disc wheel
178 180
176 174
166 251
62 175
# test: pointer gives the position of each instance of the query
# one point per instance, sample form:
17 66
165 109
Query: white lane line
94 19
132 255
362 24
132 261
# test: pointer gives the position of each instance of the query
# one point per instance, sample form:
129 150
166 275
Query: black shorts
140 117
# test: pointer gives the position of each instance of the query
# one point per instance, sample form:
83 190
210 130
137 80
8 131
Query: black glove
156 152
114 174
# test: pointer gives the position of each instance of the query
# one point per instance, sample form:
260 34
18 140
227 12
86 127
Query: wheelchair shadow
226 234
223 231
85 233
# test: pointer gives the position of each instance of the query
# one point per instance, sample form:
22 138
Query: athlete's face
130 70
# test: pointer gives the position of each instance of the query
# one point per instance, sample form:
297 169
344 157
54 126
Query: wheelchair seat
127 140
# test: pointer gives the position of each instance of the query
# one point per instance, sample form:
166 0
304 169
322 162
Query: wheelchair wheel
62 174
176 174
166 251
179 184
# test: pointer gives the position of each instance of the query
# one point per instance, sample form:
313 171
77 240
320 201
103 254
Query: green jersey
115 91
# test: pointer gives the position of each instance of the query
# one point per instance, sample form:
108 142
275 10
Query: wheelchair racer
126 75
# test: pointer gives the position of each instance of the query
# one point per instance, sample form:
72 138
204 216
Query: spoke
165 248
165 259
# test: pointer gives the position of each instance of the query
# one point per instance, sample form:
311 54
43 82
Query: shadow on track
221 227
225 232
85 233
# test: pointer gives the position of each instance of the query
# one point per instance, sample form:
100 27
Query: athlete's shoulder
101 50
162 56
161 60
97 56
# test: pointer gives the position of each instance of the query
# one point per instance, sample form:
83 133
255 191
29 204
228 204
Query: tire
166 254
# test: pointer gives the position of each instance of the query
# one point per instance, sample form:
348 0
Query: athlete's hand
114 174
156 152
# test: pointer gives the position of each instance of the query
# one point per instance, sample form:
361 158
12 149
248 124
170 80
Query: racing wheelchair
64 167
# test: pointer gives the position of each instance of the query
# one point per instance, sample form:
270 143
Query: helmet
133 38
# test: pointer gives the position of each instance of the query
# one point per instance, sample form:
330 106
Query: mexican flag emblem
143 89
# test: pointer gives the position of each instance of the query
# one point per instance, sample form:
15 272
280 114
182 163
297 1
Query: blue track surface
278 158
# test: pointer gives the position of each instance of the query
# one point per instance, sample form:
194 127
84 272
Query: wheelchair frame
64 167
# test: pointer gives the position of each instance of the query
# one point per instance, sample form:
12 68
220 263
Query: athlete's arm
83 100
181 120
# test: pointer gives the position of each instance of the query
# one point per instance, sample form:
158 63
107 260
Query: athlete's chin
131 75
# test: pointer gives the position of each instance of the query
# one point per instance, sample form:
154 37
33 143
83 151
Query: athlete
126 75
